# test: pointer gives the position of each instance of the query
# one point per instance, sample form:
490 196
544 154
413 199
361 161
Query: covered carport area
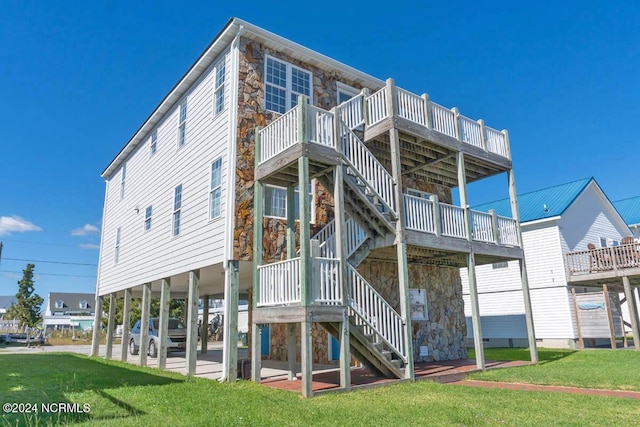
222 280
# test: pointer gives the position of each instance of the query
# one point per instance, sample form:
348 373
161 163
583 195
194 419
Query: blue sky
80 77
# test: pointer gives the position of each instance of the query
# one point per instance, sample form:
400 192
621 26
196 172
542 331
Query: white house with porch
321 193
556 222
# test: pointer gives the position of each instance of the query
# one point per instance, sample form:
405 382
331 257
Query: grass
604 369
126 395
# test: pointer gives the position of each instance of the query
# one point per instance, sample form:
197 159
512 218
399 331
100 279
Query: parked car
176 341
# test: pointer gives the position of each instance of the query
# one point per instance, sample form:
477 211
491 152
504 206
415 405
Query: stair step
386 354
397 363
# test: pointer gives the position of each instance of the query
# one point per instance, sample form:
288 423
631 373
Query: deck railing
481 226
327 289
375 314
600 260
471 132
453 224
377 106
351 112
411 107
507 231
279 283
320 126
279 135
418 213
496 142
355 237
444 120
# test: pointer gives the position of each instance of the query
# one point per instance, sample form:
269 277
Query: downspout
231 195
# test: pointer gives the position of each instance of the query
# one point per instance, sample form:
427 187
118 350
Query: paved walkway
548 388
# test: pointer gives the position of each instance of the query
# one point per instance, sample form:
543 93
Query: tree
27 309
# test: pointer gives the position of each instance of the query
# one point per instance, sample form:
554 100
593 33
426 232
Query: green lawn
606 369
122 395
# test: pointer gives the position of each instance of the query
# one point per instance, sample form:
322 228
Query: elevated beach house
320 193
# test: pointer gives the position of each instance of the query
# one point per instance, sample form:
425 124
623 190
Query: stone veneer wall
445 330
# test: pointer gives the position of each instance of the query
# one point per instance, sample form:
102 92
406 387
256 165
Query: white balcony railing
351 112
481 227
418 213
453 224
377 106
279 283
411 107
320 126
444 120
327 289
470 132
507 231
279 135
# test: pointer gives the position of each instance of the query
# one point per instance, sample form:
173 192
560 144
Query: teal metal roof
540 204
629 210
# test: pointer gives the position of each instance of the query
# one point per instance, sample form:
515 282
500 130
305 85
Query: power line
48 274
41 243
51 262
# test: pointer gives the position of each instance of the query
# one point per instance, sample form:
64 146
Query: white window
83 305
123 176
59 304
497 265
346 92
215 189
177 206
275 202
154 142
283 83
147 217
218 90
116 255
608 241
182 123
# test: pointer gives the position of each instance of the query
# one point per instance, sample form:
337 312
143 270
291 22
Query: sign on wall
418 304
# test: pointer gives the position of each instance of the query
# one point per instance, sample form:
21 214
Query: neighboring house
65 311
629 209
555 220
261 133
5 303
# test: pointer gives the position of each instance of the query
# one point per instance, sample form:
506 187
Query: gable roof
7 301
540 204
71 301
629 210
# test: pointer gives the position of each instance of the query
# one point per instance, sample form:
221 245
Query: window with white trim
147 217
154 142
123 177
275 202
116 251
182 123
345 92
215 189
83 305
283 82
177 208
59 304
218 90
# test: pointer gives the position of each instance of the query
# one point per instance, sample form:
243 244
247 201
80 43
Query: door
334 348
266 340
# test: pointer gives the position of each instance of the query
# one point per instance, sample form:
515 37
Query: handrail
351 112
453 224
377 107
368 167
355 237
279 283
279 135
376 314
327 289
320 126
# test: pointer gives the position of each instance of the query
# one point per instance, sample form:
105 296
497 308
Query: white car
176 341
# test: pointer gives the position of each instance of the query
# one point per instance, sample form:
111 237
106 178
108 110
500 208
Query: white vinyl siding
151 180
283 83
215 189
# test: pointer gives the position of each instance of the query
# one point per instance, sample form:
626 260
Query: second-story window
123 177
215 189
116 252
182 123
154 142
147 218
218 90
283 83
177 207
275 202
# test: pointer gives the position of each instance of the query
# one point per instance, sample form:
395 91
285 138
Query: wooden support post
401 250
528 310
507 143
392 105
306 358
163 322
633 312
365 108
111 325
577 314
483 134
144 323
475 311
192 324
607 304
258 209
462 190
427 111
305 274
456 123
494 226
126 325
97 327
340 236
437 219
204 326
230 352
292 351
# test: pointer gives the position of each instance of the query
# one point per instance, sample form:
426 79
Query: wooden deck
447 371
